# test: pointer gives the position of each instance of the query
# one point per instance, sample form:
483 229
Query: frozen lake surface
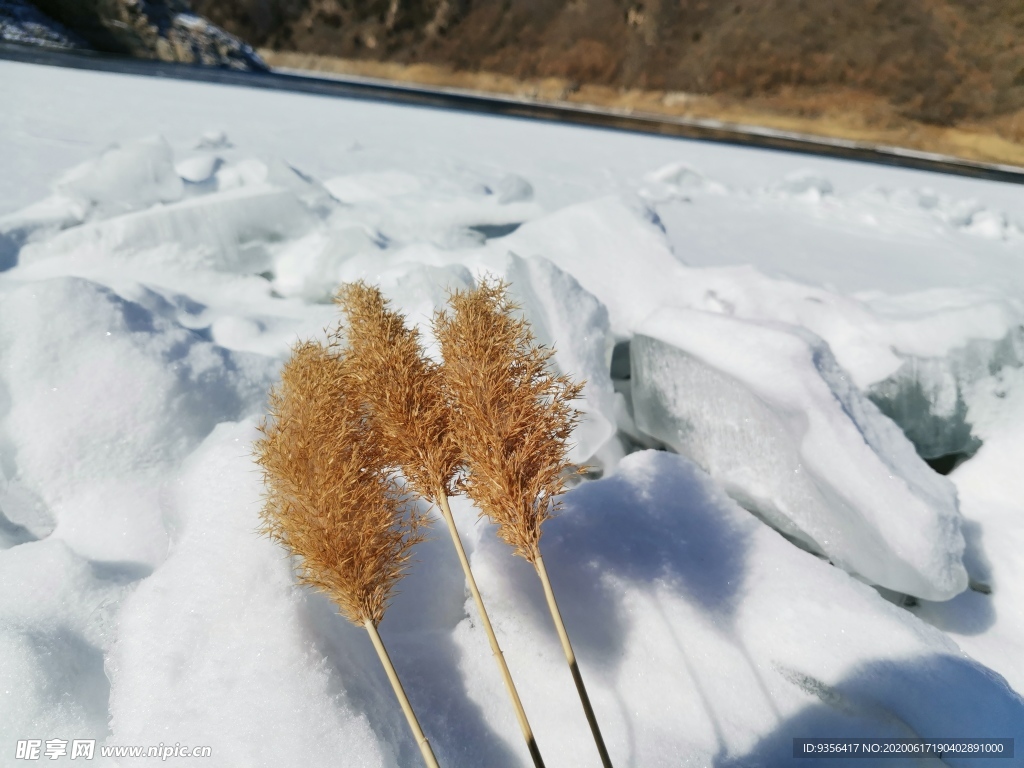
773 346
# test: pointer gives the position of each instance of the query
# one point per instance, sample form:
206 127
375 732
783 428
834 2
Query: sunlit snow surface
788 567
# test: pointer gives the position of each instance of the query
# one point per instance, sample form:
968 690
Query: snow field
147 302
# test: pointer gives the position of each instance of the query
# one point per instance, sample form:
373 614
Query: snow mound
58 614
806 185
668 588
120 393
125 178
218 642
678 181
966 215
772 417
311 267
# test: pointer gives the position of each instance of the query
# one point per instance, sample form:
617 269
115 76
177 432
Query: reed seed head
512 416
403 390
329 497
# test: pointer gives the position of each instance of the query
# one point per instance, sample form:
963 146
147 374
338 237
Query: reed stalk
331 500
403 700
570 658
407 404
513 419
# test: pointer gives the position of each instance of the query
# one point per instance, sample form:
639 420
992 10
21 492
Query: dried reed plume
408 407
403 390
513 418
330 499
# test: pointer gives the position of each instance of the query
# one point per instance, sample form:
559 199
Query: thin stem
417 732
499 657
571 658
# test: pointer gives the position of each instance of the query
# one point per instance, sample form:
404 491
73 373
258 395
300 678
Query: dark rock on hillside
22 22
167 30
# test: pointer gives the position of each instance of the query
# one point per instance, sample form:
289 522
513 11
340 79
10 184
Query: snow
163 243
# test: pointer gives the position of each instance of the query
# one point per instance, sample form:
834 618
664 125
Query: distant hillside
936 61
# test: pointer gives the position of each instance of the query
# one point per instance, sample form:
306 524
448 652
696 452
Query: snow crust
776 327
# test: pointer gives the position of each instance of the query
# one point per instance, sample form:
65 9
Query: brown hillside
930 62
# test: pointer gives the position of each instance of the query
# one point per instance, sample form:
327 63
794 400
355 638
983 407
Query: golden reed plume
409 409
330 499
513 418
403 390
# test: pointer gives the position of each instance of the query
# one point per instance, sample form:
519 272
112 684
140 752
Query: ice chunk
244 173
986 621
566 316
616 255
311 192
513 189
125 178
772 417
198 169
226 231
49 215
214 139
989 224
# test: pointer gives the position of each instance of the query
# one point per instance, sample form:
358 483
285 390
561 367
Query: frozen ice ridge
767 411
